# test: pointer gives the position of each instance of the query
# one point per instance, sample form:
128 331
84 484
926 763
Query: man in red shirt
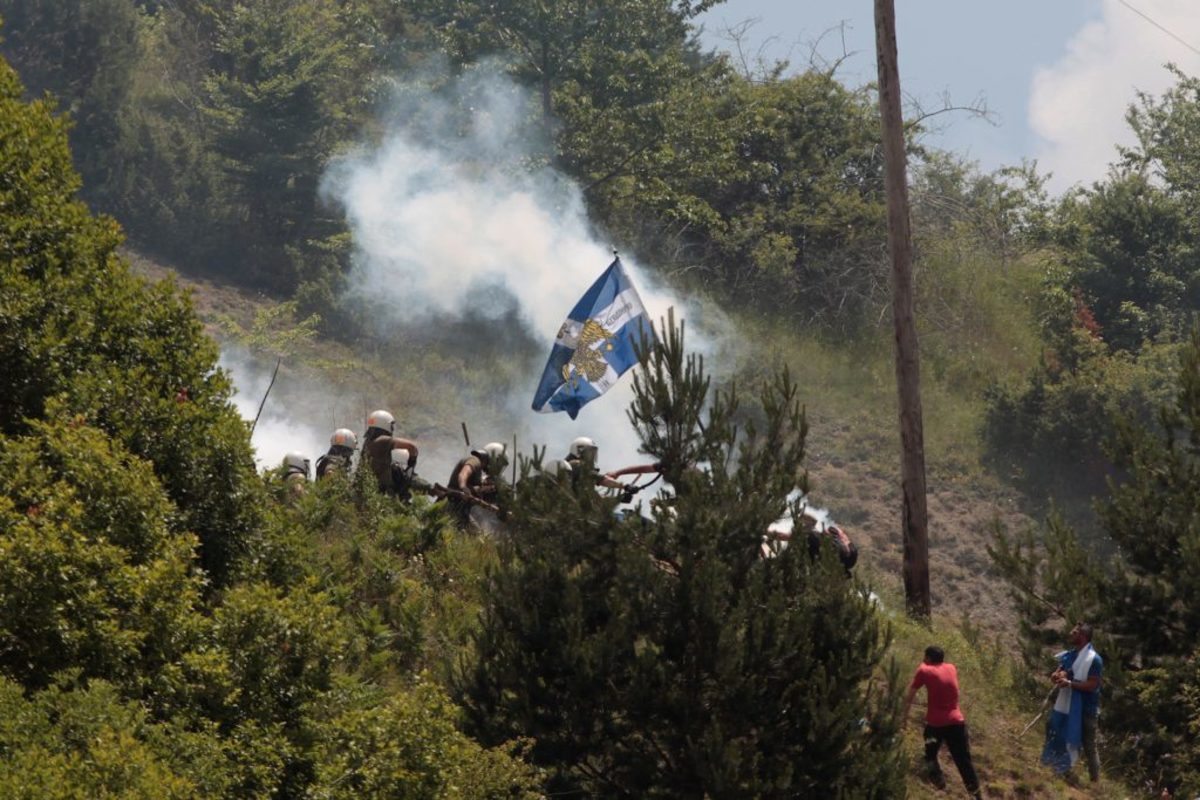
944 721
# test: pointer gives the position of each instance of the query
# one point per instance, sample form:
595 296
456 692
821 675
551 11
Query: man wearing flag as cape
595 345
1073 722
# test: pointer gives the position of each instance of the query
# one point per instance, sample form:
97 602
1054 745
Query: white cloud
1077 106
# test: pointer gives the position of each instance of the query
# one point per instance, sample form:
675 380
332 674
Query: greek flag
595 345
1064 728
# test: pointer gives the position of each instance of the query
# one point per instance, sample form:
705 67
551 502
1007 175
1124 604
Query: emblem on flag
595 345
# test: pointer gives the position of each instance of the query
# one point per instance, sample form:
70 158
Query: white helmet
296 462
382 421
558 468
583 444
491 452
344 437
400 457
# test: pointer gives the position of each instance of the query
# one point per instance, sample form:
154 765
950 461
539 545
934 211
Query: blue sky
1056 74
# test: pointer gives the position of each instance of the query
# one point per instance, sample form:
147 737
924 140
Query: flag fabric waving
1064 729
595 345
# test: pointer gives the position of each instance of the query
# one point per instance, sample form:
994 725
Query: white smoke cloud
282 428
1077 105
435 213
450 219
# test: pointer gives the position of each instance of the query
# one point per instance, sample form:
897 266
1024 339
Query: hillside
850 474
409 196
848 462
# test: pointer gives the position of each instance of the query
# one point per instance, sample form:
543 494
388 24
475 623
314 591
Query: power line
1160 27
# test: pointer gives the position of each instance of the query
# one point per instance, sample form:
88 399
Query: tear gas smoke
279 429
459 241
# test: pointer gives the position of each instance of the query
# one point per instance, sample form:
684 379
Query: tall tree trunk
908 365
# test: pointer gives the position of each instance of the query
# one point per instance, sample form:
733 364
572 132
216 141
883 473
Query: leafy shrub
1049 435
408 746
131 358
72 741
91 575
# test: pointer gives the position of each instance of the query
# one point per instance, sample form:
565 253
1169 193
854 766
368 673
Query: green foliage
276 330
1145 600
206 126
285 89
126 470
979 240
1129 249
406 585
85 53
91 576
1036 570
1049 435
86 742
767 191
1163 128
283 649
667 658
598 50
1007 211
1127 244
409 747
132 359
1122 286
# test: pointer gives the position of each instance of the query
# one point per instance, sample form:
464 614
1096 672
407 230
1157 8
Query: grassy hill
852 463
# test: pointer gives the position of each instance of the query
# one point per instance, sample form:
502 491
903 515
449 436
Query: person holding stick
1075 718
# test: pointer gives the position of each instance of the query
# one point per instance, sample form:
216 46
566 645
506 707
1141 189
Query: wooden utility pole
908 363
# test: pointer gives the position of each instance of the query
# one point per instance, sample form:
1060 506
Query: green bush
72 742
131 358
408 746
91 575
1049 435
282 650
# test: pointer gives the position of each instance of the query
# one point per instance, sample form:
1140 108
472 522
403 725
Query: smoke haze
283 427
461 243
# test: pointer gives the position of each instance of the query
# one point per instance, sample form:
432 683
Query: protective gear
333 462
468 478
401 474
491 452
847 552
295 462
381 421
344 437
583 447
559 468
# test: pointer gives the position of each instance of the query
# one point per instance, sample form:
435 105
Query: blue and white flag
595 345
1064 728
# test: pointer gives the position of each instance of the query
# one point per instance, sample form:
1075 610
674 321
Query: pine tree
1144 599
666 658
287 88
